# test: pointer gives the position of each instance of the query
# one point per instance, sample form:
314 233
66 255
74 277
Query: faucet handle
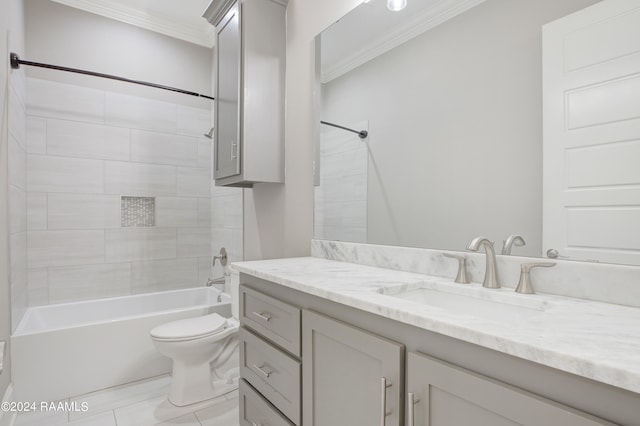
222 257
524 285
462 276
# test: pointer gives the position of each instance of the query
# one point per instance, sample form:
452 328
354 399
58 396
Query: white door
591 149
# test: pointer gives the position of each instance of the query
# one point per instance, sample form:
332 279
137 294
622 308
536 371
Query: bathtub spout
216 281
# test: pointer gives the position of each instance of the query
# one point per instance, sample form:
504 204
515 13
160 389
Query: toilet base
218 388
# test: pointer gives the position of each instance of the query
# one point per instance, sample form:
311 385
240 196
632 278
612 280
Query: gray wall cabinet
249 82
350 376
441 381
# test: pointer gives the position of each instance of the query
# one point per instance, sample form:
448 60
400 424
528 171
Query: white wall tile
194 182
59 174
89 282
18 82
58 100
17 118
174 211
63 248
194 242
158 275
193 121
134 244
83 211
204 270
18 276
204 153
36 210
38 285
17 210
163 148
140 113
87 140
17 164
204 212
226 212
36 135
139 179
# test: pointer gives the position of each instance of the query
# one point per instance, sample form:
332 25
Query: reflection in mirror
451 94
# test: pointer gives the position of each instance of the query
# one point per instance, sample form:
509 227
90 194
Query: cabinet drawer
255 410
272 372
273 319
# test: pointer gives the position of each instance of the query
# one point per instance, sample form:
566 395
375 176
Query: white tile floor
142 403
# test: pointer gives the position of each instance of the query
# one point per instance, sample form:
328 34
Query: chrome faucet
513 240
491 271
224 259
217 281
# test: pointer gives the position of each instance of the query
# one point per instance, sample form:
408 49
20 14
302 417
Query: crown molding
425 21
202 34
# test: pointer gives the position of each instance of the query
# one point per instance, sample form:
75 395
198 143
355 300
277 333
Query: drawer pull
411 409
261 369
383 396
264 317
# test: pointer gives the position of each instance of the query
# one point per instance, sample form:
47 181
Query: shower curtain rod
361 133
16 62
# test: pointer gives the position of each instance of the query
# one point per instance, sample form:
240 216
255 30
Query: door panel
446 395
227 124
343 367
591 98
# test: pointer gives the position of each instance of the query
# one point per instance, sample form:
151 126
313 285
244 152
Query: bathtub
70 349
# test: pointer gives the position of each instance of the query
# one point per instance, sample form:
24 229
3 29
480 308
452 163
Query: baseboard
7 418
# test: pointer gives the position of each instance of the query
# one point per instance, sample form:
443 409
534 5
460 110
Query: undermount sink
499 305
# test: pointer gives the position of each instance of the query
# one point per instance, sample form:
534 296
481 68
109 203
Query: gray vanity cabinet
350 376
249 69
442 394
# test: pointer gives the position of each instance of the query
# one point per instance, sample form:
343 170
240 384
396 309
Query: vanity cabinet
442 394
270 366
249 69
350 376
342 354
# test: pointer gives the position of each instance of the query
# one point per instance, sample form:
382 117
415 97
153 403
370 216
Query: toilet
196 345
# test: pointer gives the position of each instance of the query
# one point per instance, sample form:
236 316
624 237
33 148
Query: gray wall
455 128
11 26
278 219
70 37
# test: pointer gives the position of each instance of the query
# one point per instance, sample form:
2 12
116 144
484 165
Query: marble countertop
599 341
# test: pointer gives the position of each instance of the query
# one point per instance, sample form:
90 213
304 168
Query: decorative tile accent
137 211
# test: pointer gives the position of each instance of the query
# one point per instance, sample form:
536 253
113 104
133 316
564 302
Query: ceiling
181 19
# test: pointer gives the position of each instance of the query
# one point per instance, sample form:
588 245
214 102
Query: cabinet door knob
384 384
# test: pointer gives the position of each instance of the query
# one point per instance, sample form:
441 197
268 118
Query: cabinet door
350 376
442 394
226 157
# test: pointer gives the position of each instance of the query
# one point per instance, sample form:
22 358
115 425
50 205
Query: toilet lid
190 328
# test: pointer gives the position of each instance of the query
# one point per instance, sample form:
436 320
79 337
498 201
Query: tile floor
142 403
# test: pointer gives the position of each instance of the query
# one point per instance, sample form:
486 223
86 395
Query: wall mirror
450 92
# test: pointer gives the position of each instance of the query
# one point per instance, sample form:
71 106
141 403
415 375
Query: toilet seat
190 328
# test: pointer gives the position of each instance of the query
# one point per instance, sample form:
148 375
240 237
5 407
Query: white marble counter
600 341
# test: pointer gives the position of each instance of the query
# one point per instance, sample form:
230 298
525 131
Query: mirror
450 92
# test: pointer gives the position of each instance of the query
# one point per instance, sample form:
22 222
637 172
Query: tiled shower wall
340 204
86 149
17 195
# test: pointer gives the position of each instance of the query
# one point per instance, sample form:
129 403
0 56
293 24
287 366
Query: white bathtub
70 349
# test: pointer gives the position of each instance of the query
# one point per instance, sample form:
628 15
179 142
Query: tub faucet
513 240
216 281
491 279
